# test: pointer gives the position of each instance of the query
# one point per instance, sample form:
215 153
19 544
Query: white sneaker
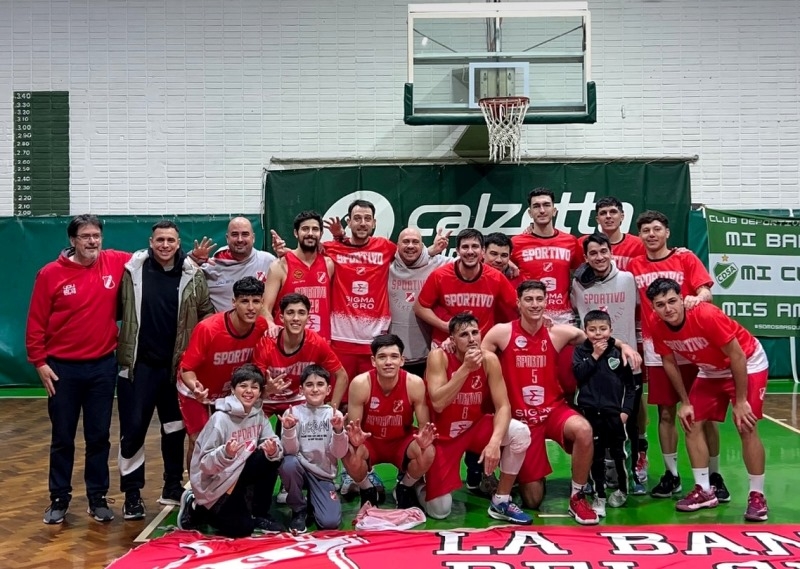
349 485
599 507
617 499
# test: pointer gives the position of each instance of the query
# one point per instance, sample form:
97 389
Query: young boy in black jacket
605 397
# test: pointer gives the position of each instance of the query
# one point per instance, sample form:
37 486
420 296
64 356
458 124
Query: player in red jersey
688 271
609 215
459 385
304 271
733 370
549 255
528 356
382 408
295 348
218 345
466 285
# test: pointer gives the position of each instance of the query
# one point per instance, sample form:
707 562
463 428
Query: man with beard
303 271
236 261
466 285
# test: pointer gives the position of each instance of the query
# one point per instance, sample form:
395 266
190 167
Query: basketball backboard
461 52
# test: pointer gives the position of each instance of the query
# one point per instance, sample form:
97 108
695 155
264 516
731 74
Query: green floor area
782 451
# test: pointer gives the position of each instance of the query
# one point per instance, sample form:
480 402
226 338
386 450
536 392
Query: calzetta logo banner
490 198
647 547
756 271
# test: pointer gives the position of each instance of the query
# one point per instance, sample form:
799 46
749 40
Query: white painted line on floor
782 424
553 516
143 537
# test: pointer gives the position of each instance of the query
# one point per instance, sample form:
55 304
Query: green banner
487 197
753 259
35 241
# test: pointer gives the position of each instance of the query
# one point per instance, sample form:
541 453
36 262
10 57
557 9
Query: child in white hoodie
313 440
237 449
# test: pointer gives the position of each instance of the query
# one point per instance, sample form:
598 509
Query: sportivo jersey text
215 350
467 407
313 282
705 330
623 252
388 416
360 306
529 369
549 260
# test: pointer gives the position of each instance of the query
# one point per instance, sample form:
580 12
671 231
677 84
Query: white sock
713 464
576 488
671 462
365 484
408 480
498 499
756 483
701 478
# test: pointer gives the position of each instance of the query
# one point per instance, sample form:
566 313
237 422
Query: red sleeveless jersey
550 260
529 365
313 282
388 417
466 408
360 297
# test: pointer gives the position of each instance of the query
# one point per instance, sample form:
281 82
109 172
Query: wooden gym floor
81 542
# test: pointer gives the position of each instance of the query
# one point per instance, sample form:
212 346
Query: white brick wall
176 105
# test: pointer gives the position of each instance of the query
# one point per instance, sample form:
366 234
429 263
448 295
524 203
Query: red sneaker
697 499
582 511
756 508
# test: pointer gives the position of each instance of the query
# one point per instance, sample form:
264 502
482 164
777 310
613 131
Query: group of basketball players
498 380
493 377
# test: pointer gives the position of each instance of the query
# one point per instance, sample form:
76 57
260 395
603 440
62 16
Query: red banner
647 547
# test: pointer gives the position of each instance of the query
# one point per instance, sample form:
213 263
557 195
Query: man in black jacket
606 398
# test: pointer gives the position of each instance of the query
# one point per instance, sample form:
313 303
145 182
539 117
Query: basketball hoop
504 116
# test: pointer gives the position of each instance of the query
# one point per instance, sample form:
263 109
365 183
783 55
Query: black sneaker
668 486
268 525
171 495
297 523
186 511
133 508
56 511
369 495
405 496
99 509
720 490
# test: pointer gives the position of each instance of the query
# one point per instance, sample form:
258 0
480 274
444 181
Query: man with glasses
70 338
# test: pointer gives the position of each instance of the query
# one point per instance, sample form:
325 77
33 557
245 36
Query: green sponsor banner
754 262
487 197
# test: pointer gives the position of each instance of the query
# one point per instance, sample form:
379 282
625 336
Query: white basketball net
504 116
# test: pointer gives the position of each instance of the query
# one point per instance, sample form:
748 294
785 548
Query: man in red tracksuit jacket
71 337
